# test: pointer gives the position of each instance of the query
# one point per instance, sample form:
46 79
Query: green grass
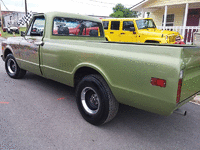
6 34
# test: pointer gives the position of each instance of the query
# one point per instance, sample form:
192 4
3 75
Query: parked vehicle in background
12 29
4 29
152 77
136 30
196 38
73 27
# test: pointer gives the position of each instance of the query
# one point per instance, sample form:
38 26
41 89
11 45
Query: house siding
158 3
178 12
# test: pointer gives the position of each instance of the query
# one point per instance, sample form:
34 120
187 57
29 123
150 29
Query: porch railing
189 30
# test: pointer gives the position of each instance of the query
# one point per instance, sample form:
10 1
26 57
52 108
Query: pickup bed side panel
126 68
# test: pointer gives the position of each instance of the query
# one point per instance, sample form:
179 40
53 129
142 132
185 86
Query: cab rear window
76 27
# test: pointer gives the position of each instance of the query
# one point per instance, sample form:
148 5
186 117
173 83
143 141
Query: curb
194 103
2 39
196 100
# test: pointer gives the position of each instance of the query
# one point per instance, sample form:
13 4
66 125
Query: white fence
189 30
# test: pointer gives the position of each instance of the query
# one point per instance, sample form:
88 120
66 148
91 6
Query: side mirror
22 33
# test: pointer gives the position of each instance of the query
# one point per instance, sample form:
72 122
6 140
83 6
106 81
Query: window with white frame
169 21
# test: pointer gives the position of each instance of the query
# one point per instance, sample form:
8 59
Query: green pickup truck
72 49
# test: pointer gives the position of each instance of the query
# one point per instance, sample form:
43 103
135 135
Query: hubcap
90 100
12 66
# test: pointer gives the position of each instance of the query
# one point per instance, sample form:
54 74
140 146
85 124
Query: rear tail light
158 82
179 87
179 91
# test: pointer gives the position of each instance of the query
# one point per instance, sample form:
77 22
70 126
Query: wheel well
151 41
106 39
81 72
7 51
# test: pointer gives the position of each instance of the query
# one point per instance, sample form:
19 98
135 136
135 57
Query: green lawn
6 35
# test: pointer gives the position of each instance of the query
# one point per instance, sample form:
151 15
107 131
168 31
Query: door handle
40 43
122 33
111 32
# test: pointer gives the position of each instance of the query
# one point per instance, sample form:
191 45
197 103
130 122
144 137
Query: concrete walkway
196 100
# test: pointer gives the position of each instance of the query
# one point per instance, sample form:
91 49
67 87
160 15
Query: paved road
41 114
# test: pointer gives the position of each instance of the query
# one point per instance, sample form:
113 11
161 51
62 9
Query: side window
127 25
105 24
37 26
115 25
169 21
76 27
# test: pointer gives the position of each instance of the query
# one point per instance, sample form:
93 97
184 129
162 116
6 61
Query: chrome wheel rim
90 100
12 66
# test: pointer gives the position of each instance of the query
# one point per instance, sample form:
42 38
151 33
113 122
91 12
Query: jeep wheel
12 69
95 100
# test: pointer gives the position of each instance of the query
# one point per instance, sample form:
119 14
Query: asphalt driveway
41 114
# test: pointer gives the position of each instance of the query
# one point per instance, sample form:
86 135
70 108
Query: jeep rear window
115 25
76 27
145 23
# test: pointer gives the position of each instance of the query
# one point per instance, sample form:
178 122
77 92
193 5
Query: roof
6 12
138 4
71 15
125 19
150 5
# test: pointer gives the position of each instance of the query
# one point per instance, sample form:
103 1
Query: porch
182 16
188 34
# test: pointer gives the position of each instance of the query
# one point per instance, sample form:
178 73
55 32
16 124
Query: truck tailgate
191 75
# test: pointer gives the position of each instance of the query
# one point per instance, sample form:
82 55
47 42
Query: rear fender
95 68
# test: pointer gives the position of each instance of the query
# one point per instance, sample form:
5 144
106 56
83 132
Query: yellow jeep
136 30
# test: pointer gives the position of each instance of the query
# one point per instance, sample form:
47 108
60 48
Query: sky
84 7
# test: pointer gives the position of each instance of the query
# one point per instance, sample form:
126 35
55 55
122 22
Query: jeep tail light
158 82
179 87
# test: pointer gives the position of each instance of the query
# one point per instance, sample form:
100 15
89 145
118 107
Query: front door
193 17
30 45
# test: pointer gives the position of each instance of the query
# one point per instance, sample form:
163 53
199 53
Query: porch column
185 20
165 18
143 13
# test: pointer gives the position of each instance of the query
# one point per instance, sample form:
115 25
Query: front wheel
12 68
95 100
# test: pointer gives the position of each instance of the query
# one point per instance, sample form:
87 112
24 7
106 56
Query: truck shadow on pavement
138 126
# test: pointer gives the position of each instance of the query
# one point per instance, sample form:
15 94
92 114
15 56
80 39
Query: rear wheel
12 68
95 100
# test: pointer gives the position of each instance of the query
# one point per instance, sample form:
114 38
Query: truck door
114 32
128 33
30 45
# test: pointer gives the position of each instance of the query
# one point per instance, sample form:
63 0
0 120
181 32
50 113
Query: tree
120 11
148 14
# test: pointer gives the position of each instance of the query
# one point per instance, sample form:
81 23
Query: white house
178 15
13 18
